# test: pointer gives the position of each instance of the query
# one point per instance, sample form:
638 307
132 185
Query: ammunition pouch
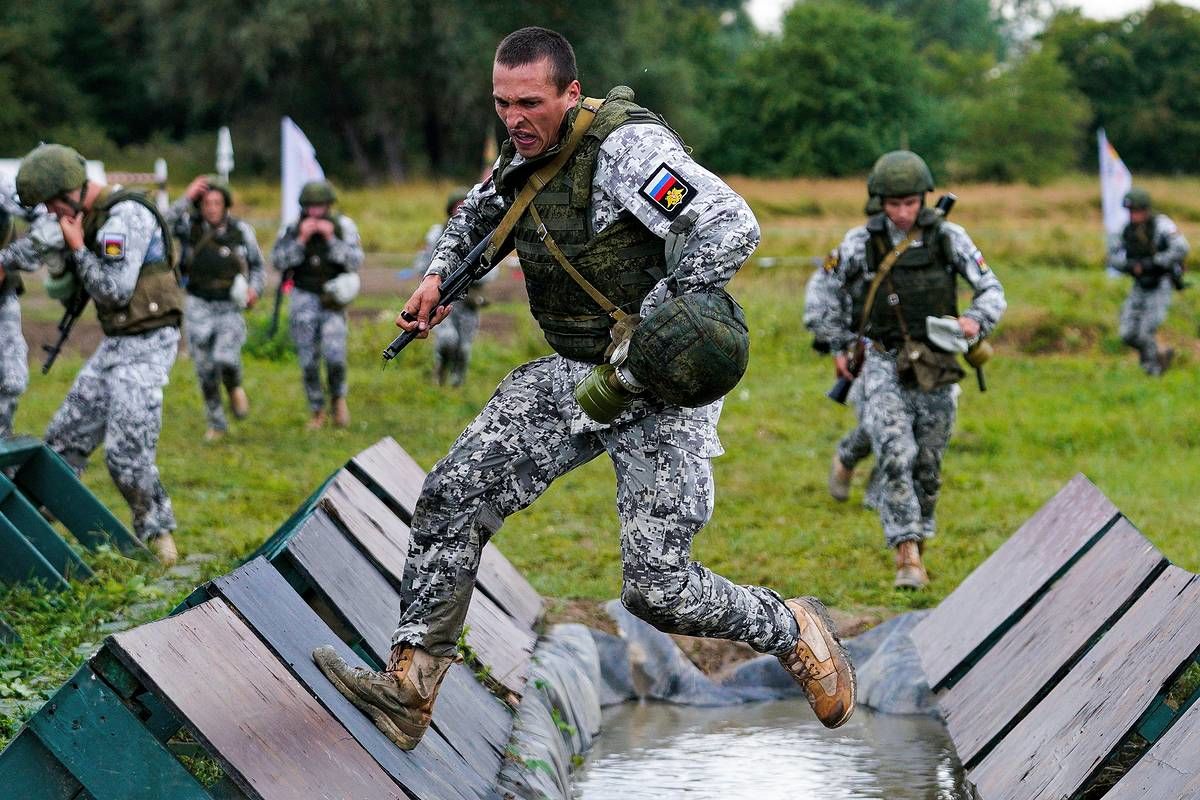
919 365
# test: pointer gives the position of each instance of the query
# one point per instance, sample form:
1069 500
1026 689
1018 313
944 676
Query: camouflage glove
62 287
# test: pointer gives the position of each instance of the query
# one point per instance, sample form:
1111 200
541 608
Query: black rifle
453 288
283 279
841 388
75 307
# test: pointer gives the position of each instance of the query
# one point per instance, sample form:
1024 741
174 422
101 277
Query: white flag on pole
298 166
1115 181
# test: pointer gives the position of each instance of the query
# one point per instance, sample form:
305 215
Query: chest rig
921 282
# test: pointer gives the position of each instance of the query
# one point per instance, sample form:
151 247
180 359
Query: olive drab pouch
919 365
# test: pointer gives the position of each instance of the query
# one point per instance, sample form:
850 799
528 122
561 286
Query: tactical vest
12 279
624 261
1140 245
922 279
312 273
157 300
214 259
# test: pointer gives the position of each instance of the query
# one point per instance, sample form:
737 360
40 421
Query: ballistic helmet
898 174
1136 198
48 171
317 193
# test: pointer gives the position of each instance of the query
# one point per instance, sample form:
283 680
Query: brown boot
341 412
316 421
398 700
910 572
239 402
820 664
839 480
164 547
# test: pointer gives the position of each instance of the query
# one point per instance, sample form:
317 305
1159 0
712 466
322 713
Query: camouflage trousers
855 445
520 442
452 344
319 334
14 361
1144 310
117 398
909 431
216 331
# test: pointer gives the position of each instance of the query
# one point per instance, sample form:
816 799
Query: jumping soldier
602 190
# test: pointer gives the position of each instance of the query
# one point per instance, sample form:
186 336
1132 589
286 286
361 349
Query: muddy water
767 751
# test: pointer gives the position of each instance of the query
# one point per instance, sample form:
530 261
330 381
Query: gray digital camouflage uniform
117 398
453 338
532 431
318 332
216 329
908 428
1146 307
18 255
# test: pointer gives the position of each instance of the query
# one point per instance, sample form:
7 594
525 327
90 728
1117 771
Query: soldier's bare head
903 211
534 84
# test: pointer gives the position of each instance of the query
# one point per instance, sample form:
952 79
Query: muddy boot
820 664
839 480
341 412
398 700
316 421
164 548
239 402
910 572
1165 357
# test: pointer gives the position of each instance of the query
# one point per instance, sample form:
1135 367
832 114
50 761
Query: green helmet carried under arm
317 193
1136 198
48 171
898 174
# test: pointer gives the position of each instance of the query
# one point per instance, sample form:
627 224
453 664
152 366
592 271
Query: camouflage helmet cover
456 196
692 349
316 193
1136 198
48 171
898 174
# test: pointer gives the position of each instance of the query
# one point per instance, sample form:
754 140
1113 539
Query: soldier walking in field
1151 250
905 263
625 243
121 255
223 269
322 254
16 255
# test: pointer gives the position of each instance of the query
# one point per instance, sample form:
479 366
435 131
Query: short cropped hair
530 45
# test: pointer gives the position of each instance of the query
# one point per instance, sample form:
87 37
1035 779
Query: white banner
298 166
1115 181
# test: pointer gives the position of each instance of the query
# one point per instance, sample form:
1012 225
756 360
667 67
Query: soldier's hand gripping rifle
453 288
74 307
283 281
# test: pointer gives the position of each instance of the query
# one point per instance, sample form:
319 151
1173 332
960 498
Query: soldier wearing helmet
905 262
122 256
322 254
1151 250
616 198
223 268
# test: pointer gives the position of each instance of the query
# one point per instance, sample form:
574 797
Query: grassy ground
1064 397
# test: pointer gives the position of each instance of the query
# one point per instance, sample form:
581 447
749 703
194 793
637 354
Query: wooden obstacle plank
369 603
20 561
292 630
1053 751
1170 770
271 735
31 772
501 581
1033 652
997 593
105 747
377 530
392 473
33 526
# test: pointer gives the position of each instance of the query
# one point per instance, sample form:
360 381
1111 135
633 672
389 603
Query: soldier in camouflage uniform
224 271
321 252
121 255
909 427
15 255
452 340
1152 251
645 223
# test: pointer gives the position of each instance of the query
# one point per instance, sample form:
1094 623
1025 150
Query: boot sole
817 607
386 725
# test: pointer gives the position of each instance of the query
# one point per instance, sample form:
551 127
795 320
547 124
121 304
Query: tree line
395 89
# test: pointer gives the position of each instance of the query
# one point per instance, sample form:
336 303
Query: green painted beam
21 561
25 518
31 772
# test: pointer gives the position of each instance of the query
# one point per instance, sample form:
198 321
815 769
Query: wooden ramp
228 680
1053 661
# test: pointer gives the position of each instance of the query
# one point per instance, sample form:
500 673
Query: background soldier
121 252
15 255
626 205
323 253
225 275
1152 250
452 340
907 409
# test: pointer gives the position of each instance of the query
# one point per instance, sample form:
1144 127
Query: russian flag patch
114 246
669 192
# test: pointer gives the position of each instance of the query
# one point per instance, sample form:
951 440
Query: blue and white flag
298 166
1115 181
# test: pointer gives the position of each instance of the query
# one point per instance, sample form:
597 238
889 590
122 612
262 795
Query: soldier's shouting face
530 104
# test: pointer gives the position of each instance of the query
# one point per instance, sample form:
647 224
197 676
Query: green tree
967 25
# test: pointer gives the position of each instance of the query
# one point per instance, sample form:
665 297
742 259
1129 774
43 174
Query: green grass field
1064 397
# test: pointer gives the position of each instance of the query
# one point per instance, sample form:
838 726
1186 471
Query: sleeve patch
832 260
113 246
668 191
978 257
